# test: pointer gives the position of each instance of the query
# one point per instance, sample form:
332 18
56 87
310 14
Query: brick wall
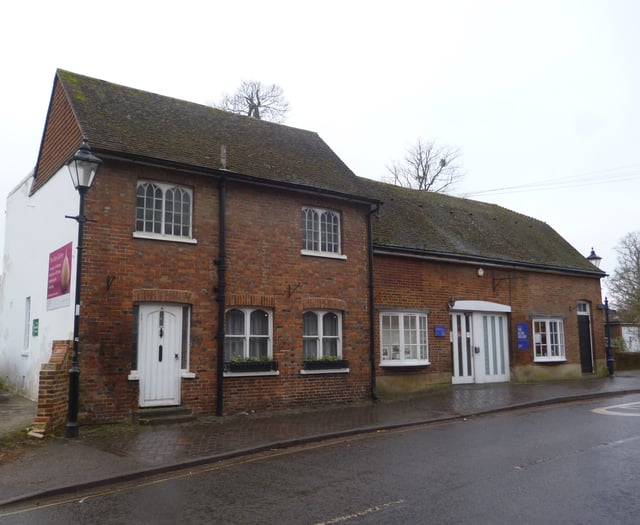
264 267
53 390
415 283
264 261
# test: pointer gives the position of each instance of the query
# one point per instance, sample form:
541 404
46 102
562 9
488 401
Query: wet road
574 463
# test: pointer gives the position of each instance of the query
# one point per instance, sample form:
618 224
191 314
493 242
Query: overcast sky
542 97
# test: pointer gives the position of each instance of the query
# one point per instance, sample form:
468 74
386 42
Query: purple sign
523 336
59 278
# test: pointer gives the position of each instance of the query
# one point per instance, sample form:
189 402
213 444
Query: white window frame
246 334
394 350
160 222
27 324
548 339
321 337
321 233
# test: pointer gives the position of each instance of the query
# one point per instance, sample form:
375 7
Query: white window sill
552 360
160 237
251 374
327 371
328 255
404 364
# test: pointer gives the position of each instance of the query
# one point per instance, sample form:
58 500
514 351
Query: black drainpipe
221 262
372 313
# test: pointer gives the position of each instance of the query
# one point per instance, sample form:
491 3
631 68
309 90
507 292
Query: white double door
159 354
480 347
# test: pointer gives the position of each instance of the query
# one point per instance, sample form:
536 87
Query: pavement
107 454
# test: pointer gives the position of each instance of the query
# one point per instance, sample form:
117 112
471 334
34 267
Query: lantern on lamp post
82 168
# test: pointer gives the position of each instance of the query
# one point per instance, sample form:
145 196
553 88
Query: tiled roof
132 122
445 226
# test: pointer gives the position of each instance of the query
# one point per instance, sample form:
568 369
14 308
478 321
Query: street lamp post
595 259
608 326
82 168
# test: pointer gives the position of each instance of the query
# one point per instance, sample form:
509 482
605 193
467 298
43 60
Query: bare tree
427 167
256 100
625 281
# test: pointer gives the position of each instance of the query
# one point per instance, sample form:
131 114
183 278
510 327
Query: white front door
491 348
159 354
480 344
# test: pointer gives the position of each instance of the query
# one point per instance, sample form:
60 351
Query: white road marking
359 513
610 411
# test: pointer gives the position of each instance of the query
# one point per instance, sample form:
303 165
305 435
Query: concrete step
163 415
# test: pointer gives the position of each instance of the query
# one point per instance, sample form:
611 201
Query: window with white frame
320 232
548 339
404 339
163 210
247 334
27 323
321 334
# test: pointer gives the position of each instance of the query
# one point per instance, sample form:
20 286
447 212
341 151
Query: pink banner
59 283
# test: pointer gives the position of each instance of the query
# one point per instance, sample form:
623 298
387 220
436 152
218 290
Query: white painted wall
631 336
35 227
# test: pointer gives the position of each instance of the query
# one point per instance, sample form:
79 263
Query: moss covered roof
441 225
128 121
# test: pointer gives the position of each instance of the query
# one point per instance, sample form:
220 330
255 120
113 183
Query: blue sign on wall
523 336
440 330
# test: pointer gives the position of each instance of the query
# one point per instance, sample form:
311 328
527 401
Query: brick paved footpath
113 452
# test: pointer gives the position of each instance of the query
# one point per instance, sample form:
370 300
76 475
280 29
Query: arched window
320 231
163 210
321 334
247 334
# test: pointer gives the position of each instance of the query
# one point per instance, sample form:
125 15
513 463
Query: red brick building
236 264
472 292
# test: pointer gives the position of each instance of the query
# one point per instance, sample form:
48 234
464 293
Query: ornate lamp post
596 260
82 167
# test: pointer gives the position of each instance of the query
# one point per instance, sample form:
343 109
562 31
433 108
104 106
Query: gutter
231 175
432 255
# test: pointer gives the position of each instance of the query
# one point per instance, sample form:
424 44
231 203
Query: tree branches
625 281
254 99
427 167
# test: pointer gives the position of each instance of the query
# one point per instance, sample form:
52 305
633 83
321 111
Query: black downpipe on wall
221 262
372 313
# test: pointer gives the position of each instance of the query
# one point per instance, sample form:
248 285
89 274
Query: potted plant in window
251 364
329 362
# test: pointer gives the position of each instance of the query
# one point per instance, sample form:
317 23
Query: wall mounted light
480 272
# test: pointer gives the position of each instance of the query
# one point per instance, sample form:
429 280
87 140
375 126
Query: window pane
310 348
233 348
235 322
310 229
259 323
185 338
258 347
309 324
330 324
329 347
